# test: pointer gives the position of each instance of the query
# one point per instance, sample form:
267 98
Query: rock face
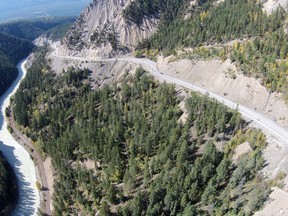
102 31
271 5
42 40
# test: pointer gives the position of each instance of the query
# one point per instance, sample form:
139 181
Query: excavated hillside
271 5
102 31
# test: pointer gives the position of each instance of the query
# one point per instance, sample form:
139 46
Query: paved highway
45 199
18 157
249 114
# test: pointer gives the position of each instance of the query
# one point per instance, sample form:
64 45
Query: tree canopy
8 185
143 161
12 50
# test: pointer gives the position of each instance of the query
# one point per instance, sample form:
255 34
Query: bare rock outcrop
42 40
101 31
270 5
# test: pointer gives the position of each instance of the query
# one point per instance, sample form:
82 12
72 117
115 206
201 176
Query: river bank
18 157
41 170
43 188
9 187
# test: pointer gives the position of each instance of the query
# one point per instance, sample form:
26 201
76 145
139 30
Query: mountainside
16 42
32 29
129 149
106 28
12 50
101 29
125 144
8 186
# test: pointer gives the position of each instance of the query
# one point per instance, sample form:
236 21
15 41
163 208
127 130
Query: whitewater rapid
18 157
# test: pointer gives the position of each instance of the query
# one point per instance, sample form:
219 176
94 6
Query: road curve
38 161
18 157
45 201
247 112
264 122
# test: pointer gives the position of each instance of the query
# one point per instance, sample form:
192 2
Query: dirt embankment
44 173
101 20
223 78
277 204
102 72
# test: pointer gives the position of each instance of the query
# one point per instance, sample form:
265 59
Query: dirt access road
45 203
24 141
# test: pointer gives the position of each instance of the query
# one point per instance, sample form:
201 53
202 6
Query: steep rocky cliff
101 31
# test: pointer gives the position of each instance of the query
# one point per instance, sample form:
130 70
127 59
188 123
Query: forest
32 29
8 185
265 58
58 32
261 49
210 24
142 160
16 42
167 10
12 50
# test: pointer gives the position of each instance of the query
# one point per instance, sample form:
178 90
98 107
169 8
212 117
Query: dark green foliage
266 58
227 21
12 50
168 9
31 29
143 157
58 32
8 73
262 54
8 185
103 37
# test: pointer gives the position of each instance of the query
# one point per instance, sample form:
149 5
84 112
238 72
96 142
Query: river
18 157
